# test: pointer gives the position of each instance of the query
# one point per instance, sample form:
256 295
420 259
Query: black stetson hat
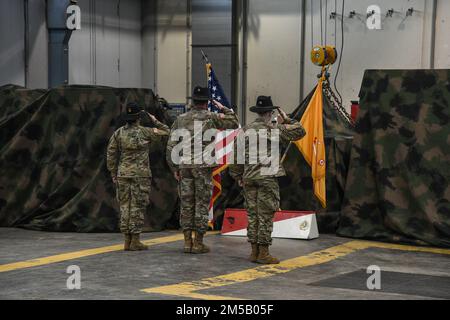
200 94
263 104
132 111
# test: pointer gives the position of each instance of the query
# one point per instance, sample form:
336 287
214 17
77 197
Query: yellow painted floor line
190 289
85 253
383 245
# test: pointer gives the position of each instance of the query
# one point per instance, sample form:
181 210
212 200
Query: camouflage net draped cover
397 188
53 176
52 159
13 98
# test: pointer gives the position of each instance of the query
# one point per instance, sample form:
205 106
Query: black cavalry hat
200 94
132 111
263 104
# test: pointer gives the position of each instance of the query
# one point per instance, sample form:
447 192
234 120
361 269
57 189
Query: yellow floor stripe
84 253
190 289
393 246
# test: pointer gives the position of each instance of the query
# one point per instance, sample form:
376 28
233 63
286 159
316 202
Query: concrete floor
122 275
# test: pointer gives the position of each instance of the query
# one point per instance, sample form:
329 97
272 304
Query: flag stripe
224 139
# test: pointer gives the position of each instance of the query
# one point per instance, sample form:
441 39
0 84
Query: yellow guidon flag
312 145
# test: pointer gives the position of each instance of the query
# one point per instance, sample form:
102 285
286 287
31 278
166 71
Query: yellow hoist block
323 55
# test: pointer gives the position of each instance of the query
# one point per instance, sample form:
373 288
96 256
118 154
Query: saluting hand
218 105
282 117
152 117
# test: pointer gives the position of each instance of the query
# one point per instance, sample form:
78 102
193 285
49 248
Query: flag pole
286 152
212 200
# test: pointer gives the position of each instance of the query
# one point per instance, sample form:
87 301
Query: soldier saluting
261 190
193 173
128 162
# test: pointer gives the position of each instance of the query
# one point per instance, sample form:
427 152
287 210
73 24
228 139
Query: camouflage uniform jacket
128 150
290 131
205 120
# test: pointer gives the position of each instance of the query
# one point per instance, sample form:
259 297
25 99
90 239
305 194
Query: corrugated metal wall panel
108 48
212 25
397 45
442 57
12 43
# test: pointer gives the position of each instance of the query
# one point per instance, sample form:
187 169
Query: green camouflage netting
397 188
53 175
52 159
13 98
53 172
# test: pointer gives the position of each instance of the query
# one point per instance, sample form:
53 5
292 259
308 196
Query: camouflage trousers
133 197
262 199
195 189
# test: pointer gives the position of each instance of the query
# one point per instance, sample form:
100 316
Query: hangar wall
149 44
37 62
12 64
173 50
273 52
442 53
108 48
146 43
397 45
274 57
106 51
23 43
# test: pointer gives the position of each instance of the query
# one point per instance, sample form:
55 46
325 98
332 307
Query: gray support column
433 34
58 42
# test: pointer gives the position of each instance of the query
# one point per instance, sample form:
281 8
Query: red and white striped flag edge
223 149
287 224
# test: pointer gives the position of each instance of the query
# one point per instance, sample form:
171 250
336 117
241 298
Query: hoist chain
336 104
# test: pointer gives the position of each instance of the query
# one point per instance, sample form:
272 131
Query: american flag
215 90
224 139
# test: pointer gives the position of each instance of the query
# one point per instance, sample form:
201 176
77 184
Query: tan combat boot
198 246
254 254
126 246
135 244
187 241
264 256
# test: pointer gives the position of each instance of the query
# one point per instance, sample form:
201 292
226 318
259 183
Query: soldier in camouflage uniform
128 163
193 173
261 190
